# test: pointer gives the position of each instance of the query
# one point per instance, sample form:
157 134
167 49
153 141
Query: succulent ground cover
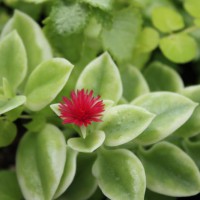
99 99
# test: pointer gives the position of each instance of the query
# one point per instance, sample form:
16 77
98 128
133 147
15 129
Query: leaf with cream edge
192 125
172 111
46 81
102 76
92 141
13 59
120 175
40 162
170 171
158 74
84 183
123 123
68 173
10 104
36 45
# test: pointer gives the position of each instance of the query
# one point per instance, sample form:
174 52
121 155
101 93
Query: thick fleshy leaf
8 132
134 83
121 38
10 104
192 6
7 89
193 149
192 125
102 76
84 183
37 46
149 195
9 188
46 81
170 171
167 19
148 40
179 48
87 145
120 175
13 59
40 162
160 77
123 123
68 173
172 111
103 4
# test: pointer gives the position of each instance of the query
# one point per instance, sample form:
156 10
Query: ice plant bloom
82 109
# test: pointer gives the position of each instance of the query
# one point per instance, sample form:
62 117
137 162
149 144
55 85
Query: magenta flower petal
82 109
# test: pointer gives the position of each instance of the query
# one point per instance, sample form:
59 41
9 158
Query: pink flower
81 109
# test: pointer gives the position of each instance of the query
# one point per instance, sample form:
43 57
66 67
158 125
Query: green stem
83 131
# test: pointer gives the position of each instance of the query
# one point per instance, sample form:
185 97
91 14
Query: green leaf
170 171
149 195
8 133
123 123
35 1
120 175
103 4
134 83
192 7
87 145
193 149
40 162
12 115
102 76
9 188
68 173
67 19
7 89
121 38
13 59
55 108
37 46
172 111
179 48
148 40
167 19
10 104
191 126
161 77
46 81
84 183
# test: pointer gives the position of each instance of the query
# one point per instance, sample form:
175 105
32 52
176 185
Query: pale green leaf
192 7
134 83
84 183
148 40
149 195
9 188
69 171
123 123
167 19
193 149
179 48
160 77
87 145
102 76
46 81
170 171
103 4
40 163
8 132
10 104
192 125
120 175
121 38
172 111
37 46
13 59
7 89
